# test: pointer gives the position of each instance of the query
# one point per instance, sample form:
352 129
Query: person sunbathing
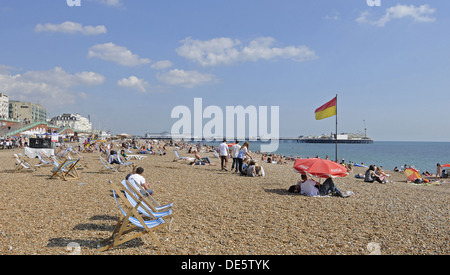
199 158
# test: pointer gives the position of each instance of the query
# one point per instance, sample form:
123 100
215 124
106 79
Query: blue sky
128 63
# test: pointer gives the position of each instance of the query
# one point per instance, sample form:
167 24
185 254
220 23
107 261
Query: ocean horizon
423 155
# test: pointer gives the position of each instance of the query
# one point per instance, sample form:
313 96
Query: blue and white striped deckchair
156 206
147 208
122 162
66 170
22 164
178 156
107 166
43 161
130 221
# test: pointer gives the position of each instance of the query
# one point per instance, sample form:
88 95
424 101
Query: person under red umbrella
311 188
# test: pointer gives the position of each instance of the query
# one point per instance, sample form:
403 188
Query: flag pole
336 142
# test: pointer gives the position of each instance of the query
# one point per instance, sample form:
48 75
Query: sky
127 64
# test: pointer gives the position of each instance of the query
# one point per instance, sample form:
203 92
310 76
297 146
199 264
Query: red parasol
321 168
446 165
412 174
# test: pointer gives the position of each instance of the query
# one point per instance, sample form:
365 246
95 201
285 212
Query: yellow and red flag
326 110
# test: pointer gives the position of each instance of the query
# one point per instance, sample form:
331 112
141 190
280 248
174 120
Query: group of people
373 174
243 162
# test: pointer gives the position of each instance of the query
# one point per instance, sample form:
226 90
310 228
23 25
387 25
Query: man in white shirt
307 187
234 154
224 152
139 180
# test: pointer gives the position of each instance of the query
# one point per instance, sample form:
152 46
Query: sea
423 156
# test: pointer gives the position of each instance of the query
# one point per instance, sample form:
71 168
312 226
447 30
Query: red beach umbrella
412 174
321 168
446 165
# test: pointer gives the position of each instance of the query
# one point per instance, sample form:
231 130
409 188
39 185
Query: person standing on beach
224 152
242 154
438 170
234 154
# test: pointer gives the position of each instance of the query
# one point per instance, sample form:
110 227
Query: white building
76 122
4 106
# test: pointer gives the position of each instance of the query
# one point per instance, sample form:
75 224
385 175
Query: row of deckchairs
64 170
139 215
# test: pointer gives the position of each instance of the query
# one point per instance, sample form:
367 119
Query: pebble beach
220 213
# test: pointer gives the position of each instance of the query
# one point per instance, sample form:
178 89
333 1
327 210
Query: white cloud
161 65
188 79
47 87
134 82
110 3
118 54
418 14
227 51
334 16
70 27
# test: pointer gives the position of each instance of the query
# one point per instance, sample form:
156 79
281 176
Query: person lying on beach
202 163
311 188
199 158
307 187
371 176
328 187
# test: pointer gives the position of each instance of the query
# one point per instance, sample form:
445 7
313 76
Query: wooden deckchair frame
66 170
149 204
124 226
21 164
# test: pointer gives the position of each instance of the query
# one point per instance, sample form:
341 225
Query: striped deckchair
147 208
107 166
22 164
153 204
43 160
130 221
66 170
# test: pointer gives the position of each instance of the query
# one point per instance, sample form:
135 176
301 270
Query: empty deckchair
178 156
22 164
138 157
130 221
126 164
43 160
66 170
